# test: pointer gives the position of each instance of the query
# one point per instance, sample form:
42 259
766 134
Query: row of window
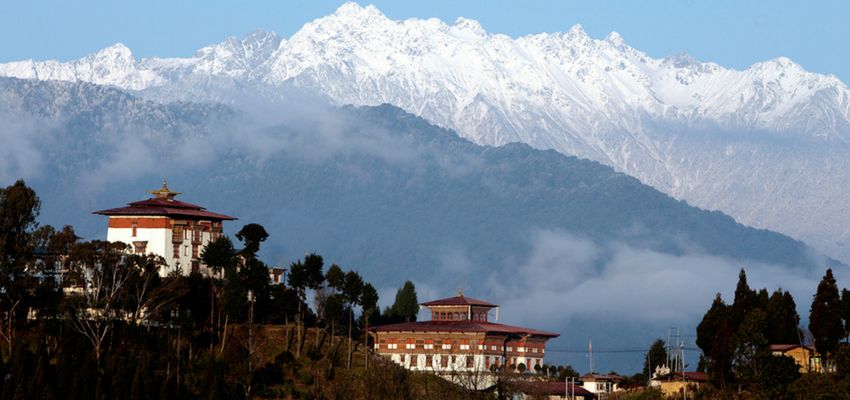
429 346
444 361
458 316
488 361
195 250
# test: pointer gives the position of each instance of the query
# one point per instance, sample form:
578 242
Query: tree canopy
825 320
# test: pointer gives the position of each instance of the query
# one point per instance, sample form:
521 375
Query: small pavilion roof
459 300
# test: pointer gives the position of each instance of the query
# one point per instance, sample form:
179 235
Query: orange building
460 341
804 356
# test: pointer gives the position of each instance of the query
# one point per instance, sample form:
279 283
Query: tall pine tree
782 319
825 321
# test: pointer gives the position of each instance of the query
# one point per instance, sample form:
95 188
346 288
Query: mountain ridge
719 138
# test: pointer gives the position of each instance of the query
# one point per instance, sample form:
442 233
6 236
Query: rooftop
553 389
601 378
692 376
461 326
164 204
786 347
459 300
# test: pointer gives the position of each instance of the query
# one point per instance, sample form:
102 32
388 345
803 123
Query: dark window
177 234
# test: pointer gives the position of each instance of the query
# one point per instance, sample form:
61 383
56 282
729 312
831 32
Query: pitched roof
165 207
459 300
153 207
553 388
461 326
692 376
163 204
786 347
600 377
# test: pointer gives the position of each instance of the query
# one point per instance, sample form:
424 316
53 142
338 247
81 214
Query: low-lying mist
563 244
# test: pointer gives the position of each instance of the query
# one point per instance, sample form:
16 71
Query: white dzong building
170 228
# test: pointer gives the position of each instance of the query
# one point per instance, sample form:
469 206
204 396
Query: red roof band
459 300
165 205
461 326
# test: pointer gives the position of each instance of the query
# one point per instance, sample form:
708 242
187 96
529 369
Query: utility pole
251 300
649 367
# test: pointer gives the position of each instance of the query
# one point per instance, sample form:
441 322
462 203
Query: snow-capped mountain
767 145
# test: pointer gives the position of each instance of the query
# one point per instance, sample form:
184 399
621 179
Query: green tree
714 338
825 321
782 319
19 208
776 376
842 360
750 346
406 304
566 371
251 235
745 300
657 356
302 276
369 305
351 292
335 277
333 310
255 277
219 254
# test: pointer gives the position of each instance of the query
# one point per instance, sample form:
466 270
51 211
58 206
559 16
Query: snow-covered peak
353 10
118 52
236 57
577 33
353 14
469 26
442 72
615 39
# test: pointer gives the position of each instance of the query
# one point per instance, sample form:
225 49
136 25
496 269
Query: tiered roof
164 204
461 326
459 300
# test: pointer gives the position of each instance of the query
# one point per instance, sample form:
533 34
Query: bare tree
107 268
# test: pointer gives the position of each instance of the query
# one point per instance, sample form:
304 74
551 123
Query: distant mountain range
560 242
767 145
375 187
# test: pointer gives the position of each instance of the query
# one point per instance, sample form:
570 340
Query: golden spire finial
163 192
459 292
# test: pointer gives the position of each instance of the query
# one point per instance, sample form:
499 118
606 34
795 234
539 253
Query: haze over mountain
394 197
767 145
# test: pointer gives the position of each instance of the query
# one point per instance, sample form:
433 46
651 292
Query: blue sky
733 33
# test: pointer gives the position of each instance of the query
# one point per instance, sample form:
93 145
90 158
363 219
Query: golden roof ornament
460 293
163 192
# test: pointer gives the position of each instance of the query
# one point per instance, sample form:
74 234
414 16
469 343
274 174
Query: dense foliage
92 320
735 340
